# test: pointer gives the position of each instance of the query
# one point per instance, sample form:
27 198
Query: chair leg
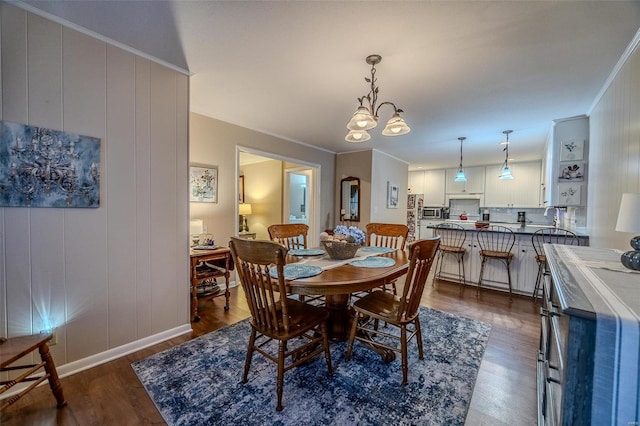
280 381
403 351
438 268
325 343
484 260
352 336
508 263
247 361
461 269
419 337
536 289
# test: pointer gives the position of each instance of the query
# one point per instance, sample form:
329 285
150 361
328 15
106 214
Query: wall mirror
350 199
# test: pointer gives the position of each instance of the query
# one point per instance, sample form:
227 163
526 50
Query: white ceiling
458 68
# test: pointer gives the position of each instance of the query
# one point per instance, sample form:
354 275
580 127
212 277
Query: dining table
340 278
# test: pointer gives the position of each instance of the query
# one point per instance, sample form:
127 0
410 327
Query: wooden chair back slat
392 235
421 256
290 235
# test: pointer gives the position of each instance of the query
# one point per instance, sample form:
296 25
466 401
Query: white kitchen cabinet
416 182
434 188
525 263
521 191
473 185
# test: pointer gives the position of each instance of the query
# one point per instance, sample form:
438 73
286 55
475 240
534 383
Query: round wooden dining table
337 284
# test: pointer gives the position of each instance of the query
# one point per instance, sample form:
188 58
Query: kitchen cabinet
416 182
525 264
434 188
473 185
521 191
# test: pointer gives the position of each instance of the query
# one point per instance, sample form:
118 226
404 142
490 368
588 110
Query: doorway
280 190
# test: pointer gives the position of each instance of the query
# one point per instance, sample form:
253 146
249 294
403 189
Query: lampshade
396 126
506 173
361 120
628 218
196 226
357 136
244 209
460 177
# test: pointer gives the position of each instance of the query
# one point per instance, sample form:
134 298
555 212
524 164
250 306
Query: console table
217 263
14 348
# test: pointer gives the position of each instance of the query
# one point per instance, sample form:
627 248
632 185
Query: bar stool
496 242
549 236
452 239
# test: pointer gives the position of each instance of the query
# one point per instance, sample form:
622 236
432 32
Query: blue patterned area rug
199 381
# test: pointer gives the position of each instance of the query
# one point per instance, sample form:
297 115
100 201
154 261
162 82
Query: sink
539 226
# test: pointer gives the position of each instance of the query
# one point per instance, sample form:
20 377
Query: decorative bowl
339 250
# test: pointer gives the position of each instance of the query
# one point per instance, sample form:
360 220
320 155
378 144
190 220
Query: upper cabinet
522 191
416 182
473 185
434 188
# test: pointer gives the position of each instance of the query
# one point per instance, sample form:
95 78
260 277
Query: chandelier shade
460 176
366 116
505 173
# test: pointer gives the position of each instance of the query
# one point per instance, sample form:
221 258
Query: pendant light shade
460 176
361 120
396 126
357 136
505 174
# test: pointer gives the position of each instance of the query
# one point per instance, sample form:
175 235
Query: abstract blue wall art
48 168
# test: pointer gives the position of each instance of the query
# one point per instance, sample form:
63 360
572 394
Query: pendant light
460 177
506 171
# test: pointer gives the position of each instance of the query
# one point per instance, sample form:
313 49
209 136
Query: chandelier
460 177
506 171
366 116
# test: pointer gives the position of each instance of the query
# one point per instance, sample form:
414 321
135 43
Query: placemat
373 262
294 270
374 249
306 252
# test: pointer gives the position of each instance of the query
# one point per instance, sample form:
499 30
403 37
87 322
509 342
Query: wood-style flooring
504 394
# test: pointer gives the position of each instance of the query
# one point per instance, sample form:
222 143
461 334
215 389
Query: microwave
432 213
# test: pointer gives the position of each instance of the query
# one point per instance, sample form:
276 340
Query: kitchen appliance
432 213
522 218
485 217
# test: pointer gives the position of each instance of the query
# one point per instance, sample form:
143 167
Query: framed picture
571 172
203 182
392 195
241 189
569 194
571 150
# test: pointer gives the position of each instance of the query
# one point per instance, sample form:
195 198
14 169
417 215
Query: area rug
199 381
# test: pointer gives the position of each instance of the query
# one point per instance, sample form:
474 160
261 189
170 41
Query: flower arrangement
350 234
344 242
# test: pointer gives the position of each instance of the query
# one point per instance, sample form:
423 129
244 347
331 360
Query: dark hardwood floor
504 394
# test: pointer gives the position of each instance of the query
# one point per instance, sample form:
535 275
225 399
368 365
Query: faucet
556 217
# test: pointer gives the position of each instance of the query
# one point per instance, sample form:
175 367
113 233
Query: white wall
614 157
119 273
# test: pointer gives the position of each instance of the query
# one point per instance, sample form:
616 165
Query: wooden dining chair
399 311
391 235
299 328
549 236
290 235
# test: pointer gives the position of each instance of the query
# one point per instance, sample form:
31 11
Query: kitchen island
524 267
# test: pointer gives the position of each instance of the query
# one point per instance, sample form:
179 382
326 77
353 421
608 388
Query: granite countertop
469 225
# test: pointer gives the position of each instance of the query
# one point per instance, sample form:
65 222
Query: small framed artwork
241 189
569 194
571 172
392 195
571 150
203 181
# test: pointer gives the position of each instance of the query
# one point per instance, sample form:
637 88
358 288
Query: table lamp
629 221
244 209
196 228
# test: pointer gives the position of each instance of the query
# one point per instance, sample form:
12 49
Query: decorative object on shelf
629 221
344 243
40 167
571 150
204 184
460 176
392 195
196 228
244 210
366 117
506 171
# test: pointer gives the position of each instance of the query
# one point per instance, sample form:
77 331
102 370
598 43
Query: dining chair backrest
496 238
290 235
392 235
553 236
266 299
421 255
451 234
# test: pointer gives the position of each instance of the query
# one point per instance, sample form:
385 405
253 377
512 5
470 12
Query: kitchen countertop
469 225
